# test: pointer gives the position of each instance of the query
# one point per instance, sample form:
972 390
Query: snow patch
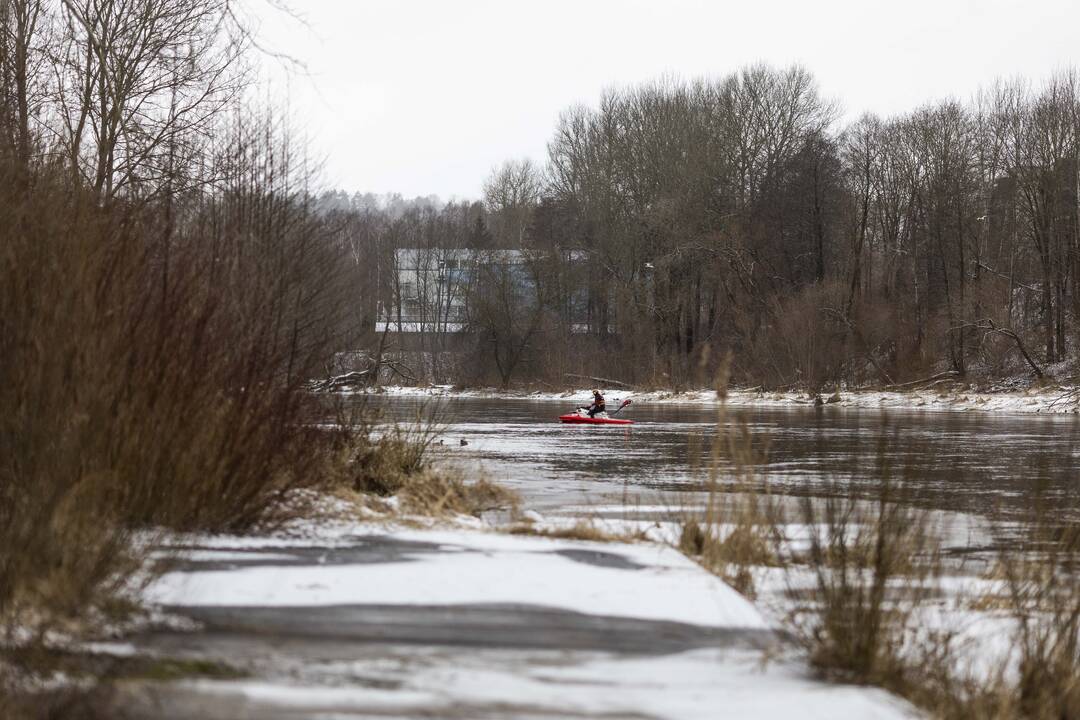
703 684
482 568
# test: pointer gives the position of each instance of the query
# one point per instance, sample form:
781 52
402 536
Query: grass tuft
580 530
438 493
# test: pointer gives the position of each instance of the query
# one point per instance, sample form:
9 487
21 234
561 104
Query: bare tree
139 81
508 306
511 194
23 26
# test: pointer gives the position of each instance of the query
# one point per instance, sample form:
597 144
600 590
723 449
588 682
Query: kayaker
597 404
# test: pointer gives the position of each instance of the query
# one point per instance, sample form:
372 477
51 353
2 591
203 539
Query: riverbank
355 612
396 616
1046 400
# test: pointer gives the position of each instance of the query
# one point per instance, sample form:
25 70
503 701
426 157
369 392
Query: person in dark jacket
597 404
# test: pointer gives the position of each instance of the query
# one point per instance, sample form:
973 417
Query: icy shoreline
1049 401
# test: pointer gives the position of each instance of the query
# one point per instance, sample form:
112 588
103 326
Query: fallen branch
599 380
989 326
862 341
401 369
1002 275
1070 394
336 382
364 378
948 374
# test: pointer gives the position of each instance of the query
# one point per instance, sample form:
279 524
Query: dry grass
874 566
731 542
394 459
439 493
874 562
387 457
583 529
1040 679
738 528
858 554
1041 571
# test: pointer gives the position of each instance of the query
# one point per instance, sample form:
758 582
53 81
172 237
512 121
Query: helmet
596 391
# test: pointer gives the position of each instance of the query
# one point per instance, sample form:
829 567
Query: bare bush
1040 571
156 338
858 553
387 456
862 594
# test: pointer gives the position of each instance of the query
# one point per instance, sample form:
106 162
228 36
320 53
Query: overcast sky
426 96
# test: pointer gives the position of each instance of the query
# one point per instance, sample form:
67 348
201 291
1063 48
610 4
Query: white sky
426 96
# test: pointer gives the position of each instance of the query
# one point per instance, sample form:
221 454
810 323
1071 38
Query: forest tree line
676 221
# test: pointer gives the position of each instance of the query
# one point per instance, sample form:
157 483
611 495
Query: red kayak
575 418
582 418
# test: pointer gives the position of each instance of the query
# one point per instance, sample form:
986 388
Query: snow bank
1028 401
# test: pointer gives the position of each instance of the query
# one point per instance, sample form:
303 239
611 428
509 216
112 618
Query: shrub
394 459
857 551
1040 571
153 362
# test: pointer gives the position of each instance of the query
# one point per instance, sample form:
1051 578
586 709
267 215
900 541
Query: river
977 462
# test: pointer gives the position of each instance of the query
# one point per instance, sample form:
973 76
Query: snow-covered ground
982 634
394 621
456 567
1037 400
708 684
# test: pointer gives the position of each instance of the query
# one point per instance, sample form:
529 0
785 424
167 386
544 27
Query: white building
431 288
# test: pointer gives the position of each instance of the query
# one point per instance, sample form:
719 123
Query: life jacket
598 401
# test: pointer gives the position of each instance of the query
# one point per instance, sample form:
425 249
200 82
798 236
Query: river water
959 461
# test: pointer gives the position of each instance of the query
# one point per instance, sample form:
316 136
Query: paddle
624 404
